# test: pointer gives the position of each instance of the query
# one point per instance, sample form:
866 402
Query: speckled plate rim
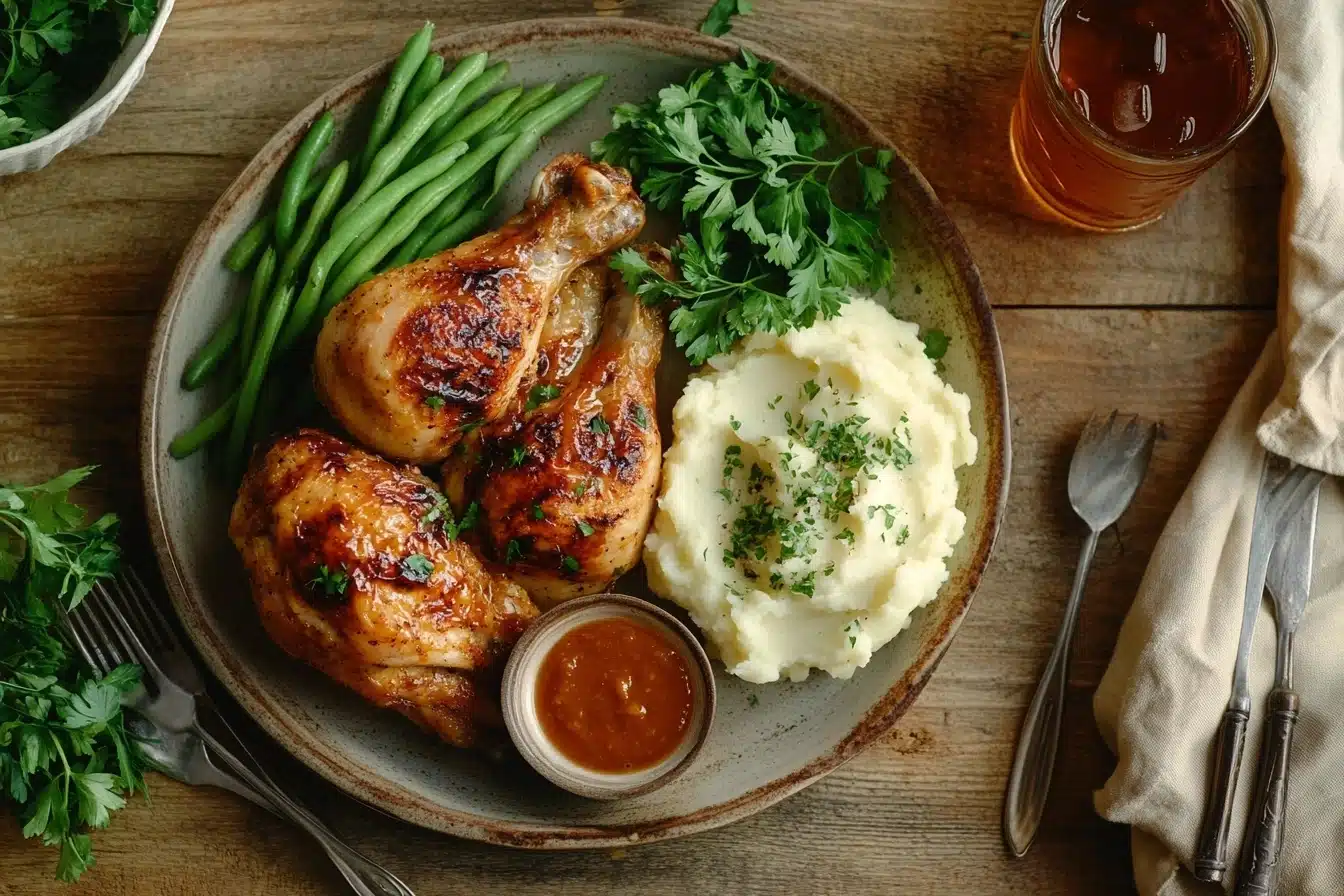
377 790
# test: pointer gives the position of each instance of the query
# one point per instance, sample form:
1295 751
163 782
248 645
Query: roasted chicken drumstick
355 570
414 356
565 493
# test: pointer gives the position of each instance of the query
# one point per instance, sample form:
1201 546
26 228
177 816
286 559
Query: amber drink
1125 102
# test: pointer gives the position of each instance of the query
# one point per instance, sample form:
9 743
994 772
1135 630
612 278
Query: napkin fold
1163 694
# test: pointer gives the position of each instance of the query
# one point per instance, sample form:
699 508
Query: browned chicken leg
411 358
355 570
567 338
565 501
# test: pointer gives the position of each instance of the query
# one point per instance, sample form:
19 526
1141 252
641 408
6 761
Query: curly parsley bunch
765 245
66 759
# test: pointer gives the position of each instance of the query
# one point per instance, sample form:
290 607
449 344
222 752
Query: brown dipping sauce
614 695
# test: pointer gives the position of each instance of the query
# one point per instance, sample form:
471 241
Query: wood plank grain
919 813
88 245
939 78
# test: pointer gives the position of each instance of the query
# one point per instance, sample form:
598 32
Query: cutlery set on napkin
1201 673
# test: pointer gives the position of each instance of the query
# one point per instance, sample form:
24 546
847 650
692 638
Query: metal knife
1289 583
1284 487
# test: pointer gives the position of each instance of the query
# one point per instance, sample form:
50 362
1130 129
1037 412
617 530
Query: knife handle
1264 831
1211 858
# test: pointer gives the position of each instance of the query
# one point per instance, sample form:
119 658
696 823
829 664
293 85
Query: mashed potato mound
808 502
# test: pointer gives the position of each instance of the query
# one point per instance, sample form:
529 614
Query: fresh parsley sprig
719 20
52 55
765 245
66 759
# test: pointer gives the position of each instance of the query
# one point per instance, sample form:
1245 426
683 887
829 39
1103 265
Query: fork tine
150 609
114 641
117 619
126 596
87 645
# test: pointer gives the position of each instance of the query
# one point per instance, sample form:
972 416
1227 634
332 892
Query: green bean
404 221
403 71
268 403
361 241
188 443
425 78
256 372
244 249
539 121
261 287
526 103
317 219
544 117
296 178
389 158
344 233
479 87
495 108
517 152
436 220
208 356
466 225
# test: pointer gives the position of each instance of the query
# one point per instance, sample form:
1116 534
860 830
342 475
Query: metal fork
119 623
182 756
1107 468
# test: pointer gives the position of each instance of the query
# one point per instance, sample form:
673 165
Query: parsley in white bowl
54 91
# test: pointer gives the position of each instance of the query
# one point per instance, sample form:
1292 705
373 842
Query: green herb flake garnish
599 425
641 416
935 344
569 564
540 395
328 581
584 529
513 551
417 568
435 402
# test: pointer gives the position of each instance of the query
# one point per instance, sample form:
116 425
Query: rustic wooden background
1166 322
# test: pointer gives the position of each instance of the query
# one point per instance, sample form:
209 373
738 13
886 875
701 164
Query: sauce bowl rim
514 691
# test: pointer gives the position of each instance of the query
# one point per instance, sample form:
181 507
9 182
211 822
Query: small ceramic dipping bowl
520 698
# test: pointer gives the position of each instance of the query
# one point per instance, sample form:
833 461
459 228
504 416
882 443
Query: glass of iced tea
1125 102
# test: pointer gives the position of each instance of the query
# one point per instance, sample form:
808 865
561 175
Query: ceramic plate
761 749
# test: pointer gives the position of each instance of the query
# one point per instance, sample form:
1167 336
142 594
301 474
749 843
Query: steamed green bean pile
442 144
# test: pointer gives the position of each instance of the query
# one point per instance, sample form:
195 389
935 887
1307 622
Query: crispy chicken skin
413 356
353 573
566 495
567 338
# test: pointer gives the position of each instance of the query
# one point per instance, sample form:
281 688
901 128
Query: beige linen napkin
1164 692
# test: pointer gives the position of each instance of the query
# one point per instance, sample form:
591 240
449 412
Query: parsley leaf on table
765 244
719 20
66 759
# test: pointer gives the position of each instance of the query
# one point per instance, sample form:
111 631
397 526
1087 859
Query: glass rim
1061 100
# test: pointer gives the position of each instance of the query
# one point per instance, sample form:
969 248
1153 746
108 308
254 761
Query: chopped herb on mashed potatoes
809 497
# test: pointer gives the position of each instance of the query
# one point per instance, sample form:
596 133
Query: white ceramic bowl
89 118
520 704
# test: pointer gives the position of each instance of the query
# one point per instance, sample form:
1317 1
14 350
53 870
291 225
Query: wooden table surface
1165 322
